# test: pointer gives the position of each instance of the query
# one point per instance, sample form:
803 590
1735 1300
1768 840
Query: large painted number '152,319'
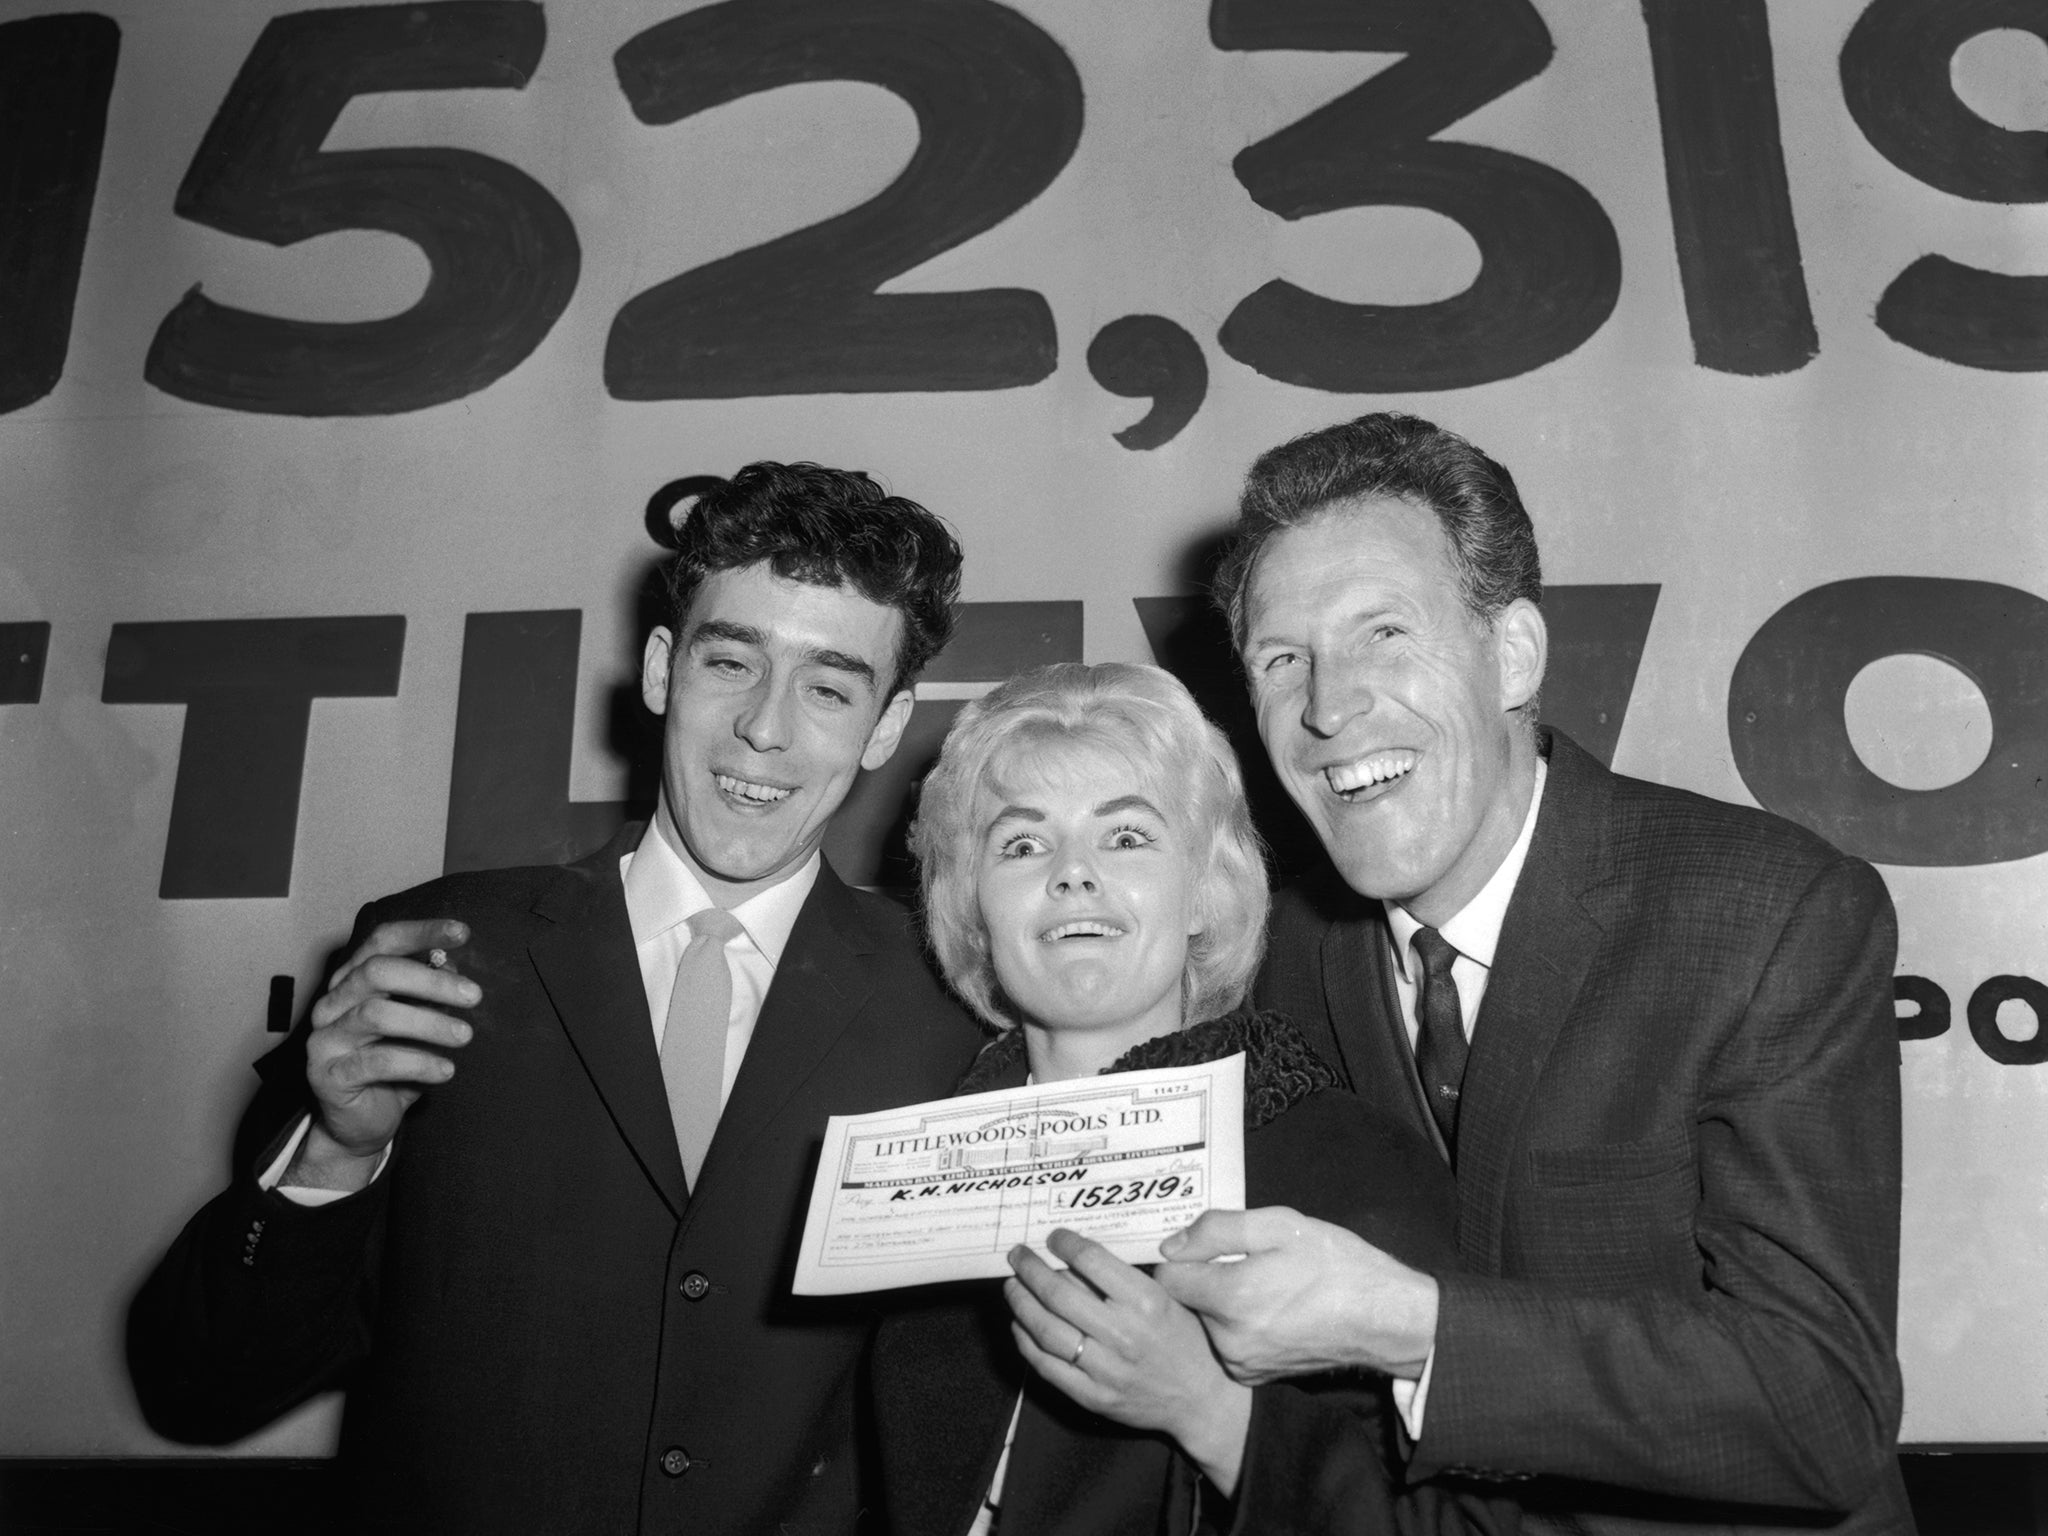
999 110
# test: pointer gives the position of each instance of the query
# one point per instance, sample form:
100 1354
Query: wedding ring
1079 1345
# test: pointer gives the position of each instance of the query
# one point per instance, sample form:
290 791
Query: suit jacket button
675 1461
696 1285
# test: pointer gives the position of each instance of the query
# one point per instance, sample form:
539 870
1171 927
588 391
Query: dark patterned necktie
1440 1047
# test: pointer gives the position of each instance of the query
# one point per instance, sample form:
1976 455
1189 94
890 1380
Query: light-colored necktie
693 1039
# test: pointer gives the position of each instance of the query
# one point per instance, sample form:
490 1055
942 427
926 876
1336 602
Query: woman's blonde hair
1144 715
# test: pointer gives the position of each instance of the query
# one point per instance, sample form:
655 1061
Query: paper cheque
942 1191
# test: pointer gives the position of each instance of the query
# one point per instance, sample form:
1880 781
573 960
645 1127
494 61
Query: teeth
1087 929
746 789
1376 768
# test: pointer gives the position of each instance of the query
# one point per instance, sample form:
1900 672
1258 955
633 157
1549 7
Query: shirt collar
1475 931
662 891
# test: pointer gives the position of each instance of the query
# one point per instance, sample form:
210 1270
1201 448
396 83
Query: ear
654 665
1522 643
888 731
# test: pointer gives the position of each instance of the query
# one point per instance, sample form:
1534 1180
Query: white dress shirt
1475 933
662 894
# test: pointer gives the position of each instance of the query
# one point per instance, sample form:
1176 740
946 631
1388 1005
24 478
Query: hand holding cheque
1147 1363
1134 1166
1305 1297
1095 1172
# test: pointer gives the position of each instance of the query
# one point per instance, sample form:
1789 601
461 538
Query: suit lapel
587 962
820 985
1547 944
1365 1016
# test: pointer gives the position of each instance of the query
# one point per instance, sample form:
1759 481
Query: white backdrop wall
361 324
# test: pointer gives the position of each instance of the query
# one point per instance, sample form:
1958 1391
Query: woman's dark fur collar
1280 1067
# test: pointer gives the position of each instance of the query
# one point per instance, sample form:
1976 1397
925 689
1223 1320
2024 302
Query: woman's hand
1107 1336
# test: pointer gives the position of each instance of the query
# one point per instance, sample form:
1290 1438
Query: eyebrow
1128 803
1270 637
1382 611
1106 808
841 661
747 634
725 629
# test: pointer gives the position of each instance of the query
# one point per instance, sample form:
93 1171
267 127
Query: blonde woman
1095 891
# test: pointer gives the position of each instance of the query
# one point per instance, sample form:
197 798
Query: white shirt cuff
305 1194
1409 1396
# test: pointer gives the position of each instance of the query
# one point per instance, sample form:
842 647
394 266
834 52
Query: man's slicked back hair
829 528
1388 454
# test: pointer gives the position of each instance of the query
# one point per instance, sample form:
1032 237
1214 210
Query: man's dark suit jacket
541 1329
1677 1165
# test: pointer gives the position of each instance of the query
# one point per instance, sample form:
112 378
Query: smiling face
1385 704
1088 893
773 693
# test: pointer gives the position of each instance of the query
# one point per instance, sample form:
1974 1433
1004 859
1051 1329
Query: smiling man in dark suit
1651 1032
536 1210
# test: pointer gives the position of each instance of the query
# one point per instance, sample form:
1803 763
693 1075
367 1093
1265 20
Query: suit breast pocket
1608 1217
1611 1162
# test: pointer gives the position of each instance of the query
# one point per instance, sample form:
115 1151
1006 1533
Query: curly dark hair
1493 544
830 528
